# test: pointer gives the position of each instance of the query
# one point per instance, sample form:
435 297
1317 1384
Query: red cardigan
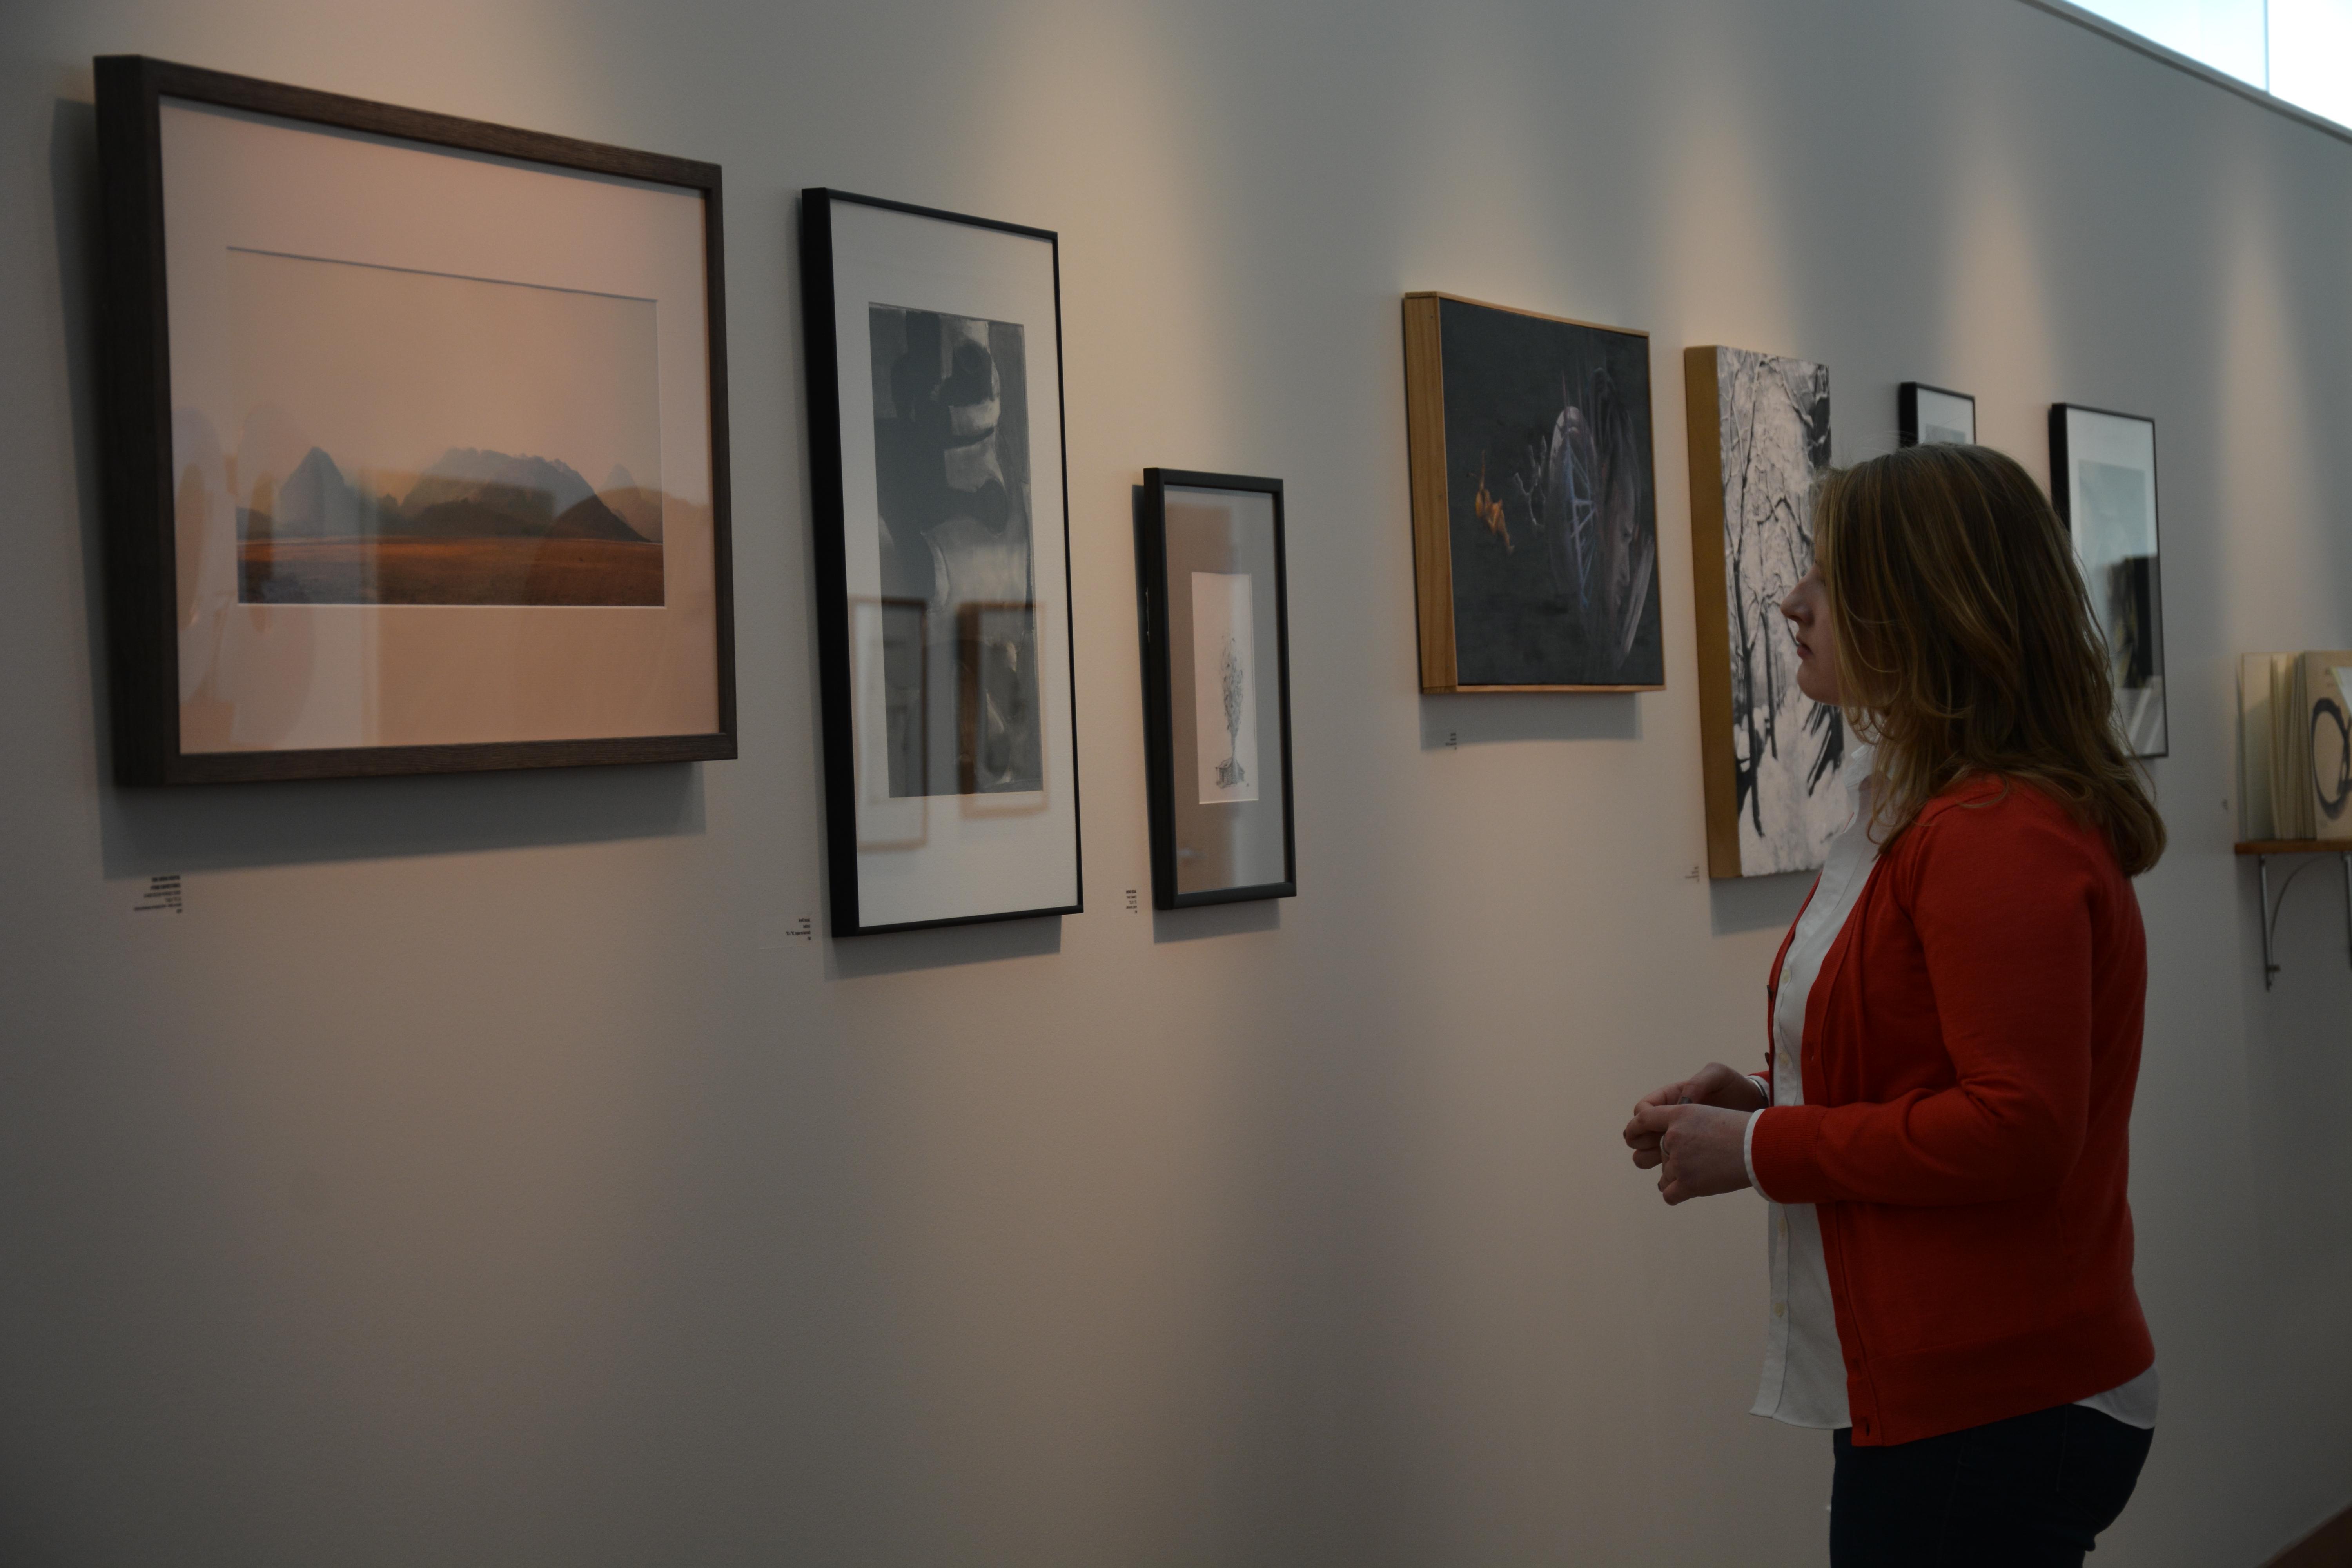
1972 1043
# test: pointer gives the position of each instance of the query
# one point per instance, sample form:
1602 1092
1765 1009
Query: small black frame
1907 404
142 586
1159 685
822 363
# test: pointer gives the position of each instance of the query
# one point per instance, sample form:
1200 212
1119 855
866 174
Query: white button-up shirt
1805 1365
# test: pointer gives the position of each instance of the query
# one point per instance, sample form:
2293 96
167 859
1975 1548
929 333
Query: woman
1953 1038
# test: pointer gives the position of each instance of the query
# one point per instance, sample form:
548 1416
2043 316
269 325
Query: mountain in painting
633 504
476 494
468 494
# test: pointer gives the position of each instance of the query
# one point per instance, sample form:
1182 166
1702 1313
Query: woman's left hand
1702 1150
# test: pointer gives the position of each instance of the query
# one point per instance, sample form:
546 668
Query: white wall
475 1173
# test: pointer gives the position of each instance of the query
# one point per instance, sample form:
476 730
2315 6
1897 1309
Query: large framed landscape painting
2103 478
943 554
417 440
1535 519
1759 443
1216 688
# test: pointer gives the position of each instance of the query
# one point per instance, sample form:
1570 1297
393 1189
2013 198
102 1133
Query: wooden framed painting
1216 688
2103 478
942 552
1759 443
1935 415
416 440
1535 522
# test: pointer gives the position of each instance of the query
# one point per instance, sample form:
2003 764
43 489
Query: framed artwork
416 440
934 350
1535 522
1936 417
1216 688
2103 477
1760 442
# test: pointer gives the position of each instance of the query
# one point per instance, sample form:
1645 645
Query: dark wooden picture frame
141 569
1167 646
1906 408
1534 492
2126 599
948 895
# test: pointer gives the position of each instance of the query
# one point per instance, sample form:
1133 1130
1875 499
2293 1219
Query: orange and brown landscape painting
412 438
476 528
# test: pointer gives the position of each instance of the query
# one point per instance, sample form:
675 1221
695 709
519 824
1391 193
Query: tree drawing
1775 430
1230 772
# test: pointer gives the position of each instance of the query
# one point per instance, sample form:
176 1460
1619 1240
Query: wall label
161 896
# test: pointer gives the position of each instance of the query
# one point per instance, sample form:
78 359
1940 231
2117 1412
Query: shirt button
1779 1309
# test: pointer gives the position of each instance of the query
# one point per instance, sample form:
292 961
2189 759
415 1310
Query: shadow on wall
1737 904
1204 920
208 827
896 952
1488 718
143 832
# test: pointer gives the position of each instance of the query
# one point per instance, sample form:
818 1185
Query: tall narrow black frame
848 910
143 675
1159 650
2061 491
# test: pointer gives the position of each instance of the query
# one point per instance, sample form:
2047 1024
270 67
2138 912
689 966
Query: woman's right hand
1714 1084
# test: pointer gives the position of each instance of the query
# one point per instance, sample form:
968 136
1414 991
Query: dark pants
2030 1491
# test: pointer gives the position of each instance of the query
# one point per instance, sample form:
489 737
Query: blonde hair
1965 644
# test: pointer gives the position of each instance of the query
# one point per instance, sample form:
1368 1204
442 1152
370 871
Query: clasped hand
1694 1133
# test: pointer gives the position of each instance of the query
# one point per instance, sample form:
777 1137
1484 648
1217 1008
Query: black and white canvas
2104 468
1786 753
936 403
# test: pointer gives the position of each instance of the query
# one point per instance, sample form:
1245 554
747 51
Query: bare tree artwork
1788 749
1224 687
1230 772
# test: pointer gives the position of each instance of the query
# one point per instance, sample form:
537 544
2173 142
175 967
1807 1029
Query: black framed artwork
1935 415
416 440
2103 477
943 554
1216 688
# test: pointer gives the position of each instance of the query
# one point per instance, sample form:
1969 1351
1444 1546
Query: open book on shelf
2294 745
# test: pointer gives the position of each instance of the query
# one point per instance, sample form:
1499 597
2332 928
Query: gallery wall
485 1170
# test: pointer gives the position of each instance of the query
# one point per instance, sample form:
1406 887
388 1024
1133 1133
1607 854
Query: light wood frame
1432 534
1703 421
1719 767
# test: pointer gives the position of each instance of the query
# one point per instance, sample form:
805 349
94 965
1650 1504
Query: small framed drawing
2103 477
1535 518
1934 416
1216 688
934 347
417 440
